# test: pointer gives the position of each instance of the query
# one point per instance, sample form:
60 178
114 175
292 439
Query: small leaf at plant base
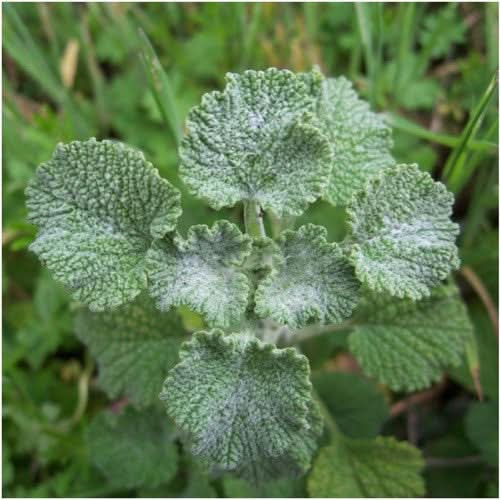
253 142
407 345
380 467
361 141
481 425
98 206
402 235
315 283
135 346
133 449
203 272
241 402
357 406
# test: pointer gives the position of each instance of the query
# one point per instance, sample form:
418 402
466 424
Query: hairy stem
254 222
314 330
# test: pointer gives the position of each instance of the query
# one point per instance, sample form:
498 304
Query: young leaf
357 406
481 426
243 404
380 467
315 283
254 142
98 206
407 344
202 272
133 449
361 141
135 346
402 235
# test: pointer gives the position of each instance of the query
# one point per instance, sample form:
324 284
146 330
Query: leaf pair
400 243
106 227
282 140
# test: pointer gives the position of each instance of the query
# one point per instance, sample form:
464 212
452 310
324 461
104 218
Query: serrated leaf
133 449
253 142
403 241
315 283
203 272
407 345
380 467
243 404
481 426
360 140
357 406
98 206
135 346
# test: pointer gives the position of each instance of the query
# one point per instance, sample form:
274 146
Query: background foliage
72 71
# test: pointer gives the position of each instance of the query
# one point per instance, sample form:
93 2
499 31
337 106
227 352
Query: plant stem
405 404
312 331
254 223
452 461
477 285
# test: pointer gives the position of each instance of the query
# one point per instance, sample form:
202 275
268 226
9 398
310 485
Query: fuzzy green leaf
202 272
403 241
481 426
243 404
314 283
98 206
357 406
407 344
133 449
254 142
361 141
135 346
380 467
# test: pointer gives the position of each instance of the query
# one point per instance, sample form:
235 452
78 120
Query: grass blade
455 173
405 125
251 33
160 86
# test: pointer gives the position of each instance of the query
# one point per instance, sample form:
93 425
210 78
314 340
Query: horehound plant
239 393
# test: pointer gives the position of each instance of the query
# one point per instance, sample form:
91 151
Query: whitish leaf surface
253 142
314 283
135 346
360 140
133 449
380 467
358 407
407 345
98 206
242 403
481 426
402 235
203 272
